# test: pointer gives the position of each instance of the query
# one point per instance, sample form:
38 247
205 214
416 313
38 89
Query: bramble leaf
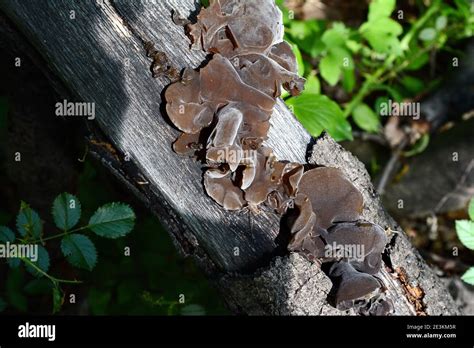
66 211
112 220
79 251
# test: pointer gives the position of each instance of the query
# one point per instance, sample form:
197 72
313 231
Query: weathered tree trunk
99 57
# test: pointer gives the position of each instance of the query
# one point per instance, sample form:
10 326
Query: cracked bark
100 57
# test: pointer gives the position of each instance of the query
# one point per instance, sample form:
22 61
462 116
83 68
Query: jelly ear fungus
231 99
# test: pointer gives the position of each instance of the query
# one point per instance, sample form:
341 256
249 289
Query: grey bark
99 57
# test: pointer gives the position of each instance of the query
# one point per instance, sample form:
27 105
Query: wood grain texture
100 57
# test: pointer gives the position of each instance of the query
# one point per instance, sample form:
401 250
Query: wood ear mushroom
232 99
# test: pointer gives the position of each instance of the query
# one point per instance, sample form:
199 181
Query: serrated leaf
112 220
3 304
468 277
66 211
381 8
28 222
427 34
465 231
471 209
330 69
79 251
366 118
6 235
42 263
318 113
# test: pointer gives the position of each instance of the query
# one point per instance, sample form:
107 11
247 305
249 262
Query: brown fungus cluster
225 109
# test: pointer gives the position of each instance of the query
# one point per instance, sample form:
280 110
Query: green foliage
28 222
366 118
79 251
112 220
381 59
465 231
329 118
39 267
66 211
468 277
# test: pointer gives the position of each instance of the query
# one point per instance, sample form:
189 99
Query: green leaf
382 35
312 84
79 251
468 277
348 80
420 146
330 68
336 36
28 222
471 209
412 84
299 58
192 310
427 34
6 235
441 23
366 118
306 34
57 300
112 220
381 8
3 304
42 263
318 113
465 231
419 61
66 211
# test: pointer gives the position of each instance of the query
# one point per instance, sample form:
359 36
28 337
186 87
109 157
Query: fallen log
96 49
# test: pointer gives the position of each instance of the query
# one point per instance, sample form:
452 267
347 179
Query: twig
390 167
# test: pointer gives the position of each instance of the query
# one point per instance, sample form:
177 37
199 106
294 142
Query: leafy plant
465 231
111 221
387 51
